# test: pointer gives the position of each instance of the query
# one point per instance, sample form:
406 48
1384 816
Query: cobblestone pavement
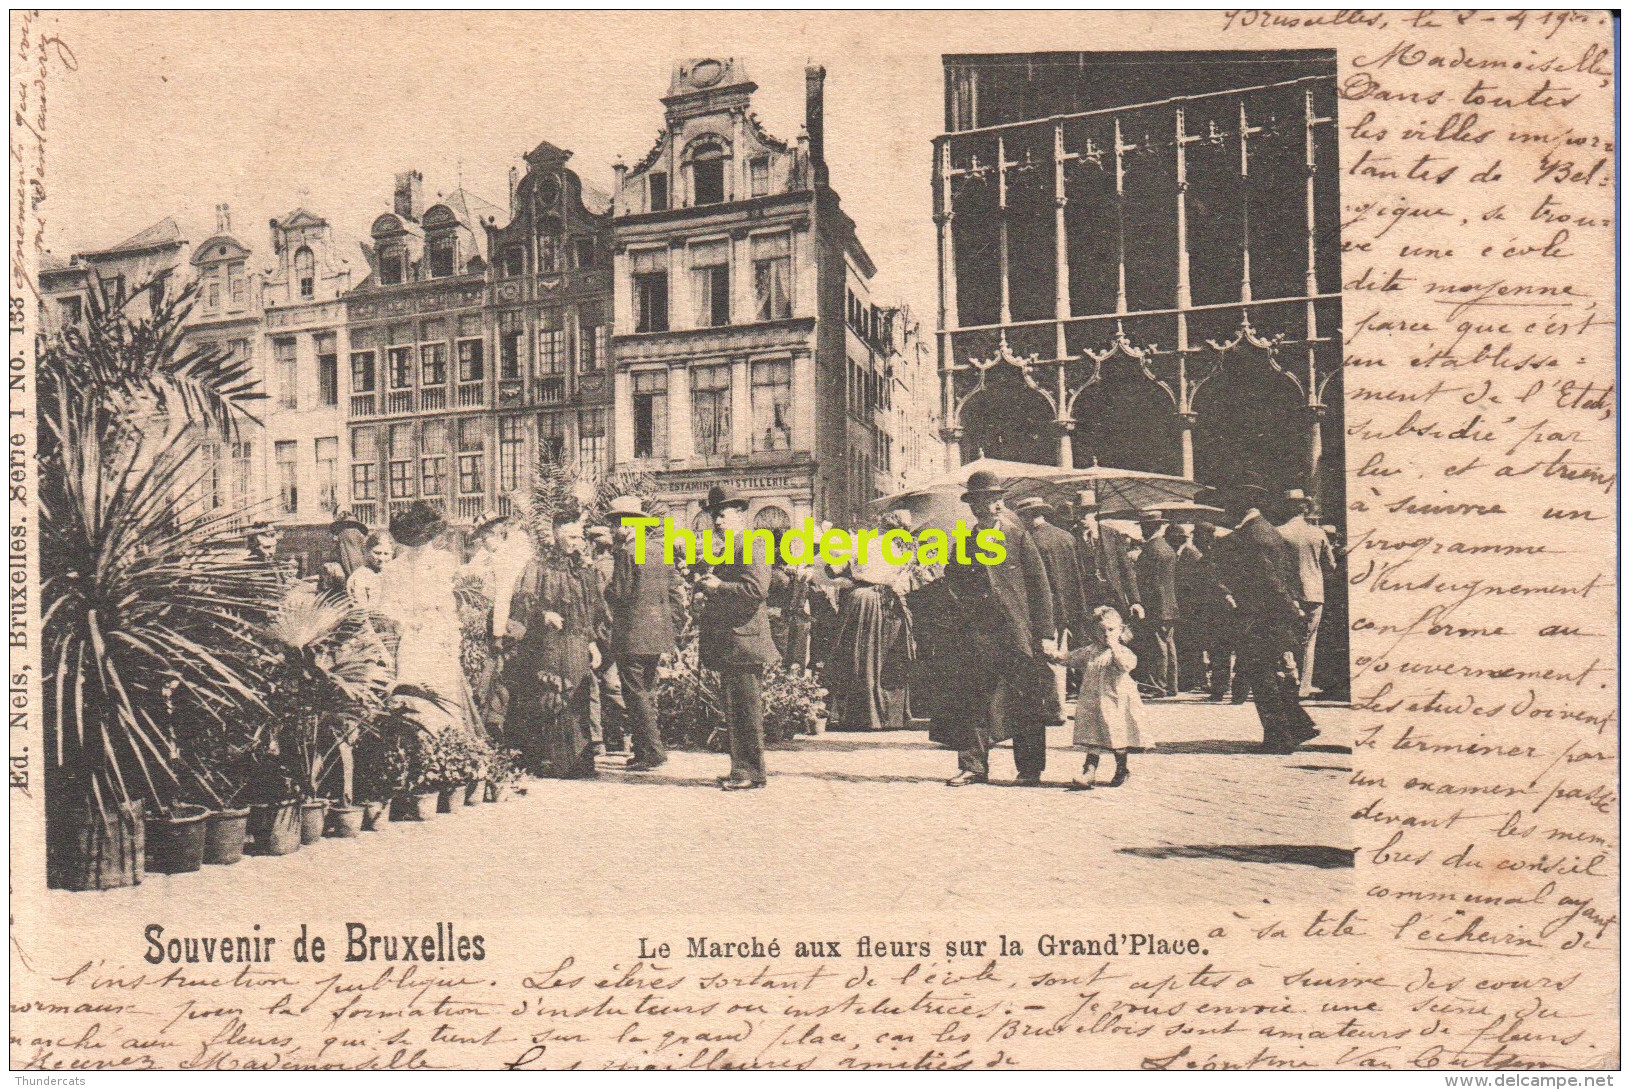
848 823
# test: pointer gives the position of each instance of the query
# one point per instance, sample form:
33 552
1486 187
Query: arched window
707 174
443 255
771 517
305 272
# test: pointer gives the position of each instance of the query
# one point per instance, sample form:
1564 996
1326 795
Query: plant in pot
690 707
451 762
794 704
141 596
503 772
386 762
326 676
480 759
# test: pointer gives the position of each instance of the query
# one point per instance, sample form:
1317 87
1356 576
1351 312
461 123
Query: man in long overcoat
1106 563
1062 562
647 604
1007 612
733 628
1157 588
1251 563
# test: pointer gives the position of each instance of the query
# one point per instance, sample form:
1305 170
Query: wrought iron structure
1189 244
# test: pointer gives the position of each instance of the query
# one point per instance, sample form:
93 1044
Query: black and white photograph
712 474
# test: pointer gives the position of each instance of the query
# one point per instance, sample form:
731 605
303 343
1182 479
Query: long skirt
552 731
865 673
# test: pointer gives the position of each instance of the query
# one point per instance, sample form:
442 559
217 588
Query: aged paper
1429 885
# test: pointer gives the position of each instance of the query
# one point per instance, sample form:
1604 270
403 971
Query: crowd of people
985 653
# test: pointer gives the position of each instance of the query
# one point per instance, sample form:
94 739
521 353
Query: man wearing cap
1251 562
1157 587
1006 610
1310 548
733 629
647 609
1062 562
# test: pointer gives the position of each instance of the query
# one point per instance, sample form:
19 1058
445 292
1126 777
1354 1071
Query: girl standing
1109 711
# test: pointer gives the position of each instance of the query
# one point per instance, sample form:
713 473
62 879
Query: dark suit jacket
1252 564
647 603
1008 607
1063 566
1111 578
734 624
1157 579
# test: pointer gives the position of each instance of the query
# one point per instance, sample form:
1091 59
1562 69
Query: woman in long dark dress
559 603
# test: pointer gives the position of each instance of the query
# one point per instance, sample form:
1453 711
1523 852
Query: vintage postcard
814 541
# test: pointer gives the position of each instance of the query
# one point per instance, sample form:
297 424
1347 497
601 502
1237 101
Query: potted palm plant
139 597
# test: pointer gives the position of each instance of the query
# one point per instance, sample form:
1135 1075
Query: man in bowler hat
1007 612
1063 566
733 628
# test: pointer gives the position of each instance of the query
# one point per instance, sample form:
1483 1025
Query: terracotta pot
224 835
373 815
473 792
312 812
419 806
444 799
175 841
344 821
93 850
275 827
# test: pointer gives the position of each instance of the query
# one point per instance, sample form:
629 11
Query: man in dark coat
1252 564
733 628
1157 587
1106 564
647 609
1207 612
1062 563
1006 610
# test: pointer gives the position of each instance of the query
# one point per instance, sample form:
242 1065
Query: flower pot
419 806
90 849
496 791
444 800
175 841
275 827
473 792
224 834
311 820
373 815
818 725
344 821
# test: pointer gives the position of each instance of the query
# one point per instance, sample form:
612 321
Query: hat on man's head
486 524
631 506
417 525
1149 518
981 483
1031 506
1247 490
1295 495
346 522
721 496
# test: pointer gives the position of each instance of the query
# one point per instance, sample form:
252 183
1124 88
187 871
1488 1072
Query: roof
472 210
595 199
300 218
162 234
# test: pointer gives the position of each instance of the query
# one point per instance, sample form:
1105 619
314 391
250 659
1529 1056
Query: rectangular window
710 408
772 405
658 184
511 452
472 448
548 255
591 439
511 329
759 169
212 294
710 280
328 369
650 291
392 267
443 251
234 277
552 437
240 350
433 364
472 363
433 458
328 473
364 465
288 476
583 256
362 372
707 178
72 309
651 414
401 367
288 373
551 344
591 343
514 261
772 276
401 461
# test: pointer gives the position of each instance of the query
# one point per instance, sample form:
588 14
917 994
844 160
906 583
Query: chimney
814 119
409 203
223 219
619 171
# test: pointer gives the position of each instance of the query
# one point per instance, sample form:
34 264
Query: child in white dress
1108 711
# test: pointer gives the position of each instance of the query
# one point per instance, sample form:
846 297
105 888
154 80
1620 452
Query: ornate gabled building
478 339
739 279
148 259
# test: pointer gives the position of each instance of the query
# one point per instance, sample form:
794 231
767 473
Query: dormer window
305 272
514 261
548 255
392 266
583 253
235 283
707 177
443 255
658 184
